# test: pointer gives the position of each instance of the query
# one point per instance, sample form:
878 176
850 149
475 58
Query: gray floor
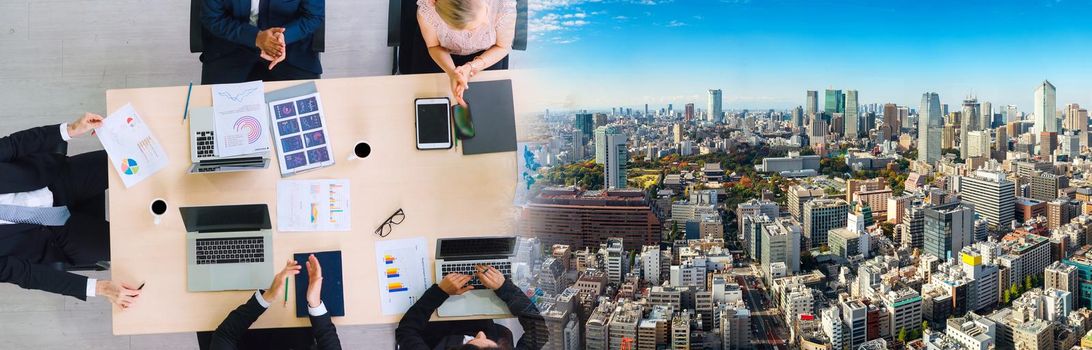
57 59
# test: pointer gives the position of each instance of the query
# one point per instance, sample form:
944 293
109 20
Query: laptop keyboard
230 250
205 144
467 268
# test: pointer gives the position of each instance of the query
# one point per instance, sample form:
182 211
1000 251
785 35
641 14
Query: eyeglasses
388 225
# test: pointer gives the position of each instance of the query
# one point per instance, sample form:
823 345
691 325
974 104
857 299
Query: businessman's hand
455 284
273 61
314 282
276 290
490 277
120 294
89 121
271 42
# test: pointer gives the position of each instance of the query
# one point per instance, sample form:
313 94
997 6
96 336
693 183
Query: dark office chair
404 35
62 149
318 42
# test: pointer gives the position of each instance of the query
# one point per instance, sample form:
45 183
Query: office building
612 152
930 124
985 115
798 196
812 105
913 227
754 207
1069 144
833 102
976 264
586 219
896 207
820 216
972 331
735 326
948 228
615 259
904 306
891 122
584 124
1048 142
654 330
716 115
680 331
1044 186
834 328
1033 334
793 165
596 328
968 121
847 243
854 318
688 113
1061 211
781 244
1045 117
1062 277
653 264
623 324
978 144
853 129
993 196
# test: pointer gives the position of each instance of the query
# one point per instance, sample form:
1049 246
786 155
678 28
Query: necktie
46 216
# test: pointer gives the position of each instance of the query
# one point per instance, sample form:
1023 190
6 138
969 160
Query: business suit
415 332
30 160
230 54
231 333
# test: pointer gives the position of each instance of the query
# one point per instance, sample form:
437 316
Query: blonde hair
458 13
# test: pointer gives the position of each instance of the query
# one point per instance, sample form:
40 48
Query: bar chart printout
403 276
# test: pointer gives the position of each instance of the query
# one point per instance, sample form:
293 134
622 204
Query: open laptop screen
226 218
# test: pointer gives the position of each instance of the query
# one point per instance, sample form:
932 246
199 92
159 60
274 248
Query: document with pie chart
240 121
134 152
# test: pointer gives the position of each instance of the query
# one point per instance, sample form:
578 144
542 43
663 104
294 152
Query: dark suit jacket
27 163
229 35
412 329
228 334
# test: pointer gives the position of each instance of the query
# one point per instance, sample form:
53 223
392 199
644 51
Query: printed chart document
239 119
403 273
300 133
313 205
133 150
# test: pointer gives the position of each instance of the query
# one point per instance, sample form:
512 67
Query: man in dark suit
232 333
415 332
53 212
246 40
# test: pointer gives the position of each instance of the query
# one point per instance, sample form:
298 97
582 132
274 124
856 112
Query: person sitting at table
415 332
246 40
233 332
53 213
465 37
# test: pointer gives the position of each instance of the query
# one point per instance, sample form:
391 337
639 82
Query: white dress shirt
313 311
254 15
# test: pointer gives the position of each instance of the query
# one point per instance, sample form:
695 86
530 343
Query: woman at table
465 37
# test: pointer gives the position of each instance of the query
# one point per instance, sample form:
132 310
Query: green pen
285 290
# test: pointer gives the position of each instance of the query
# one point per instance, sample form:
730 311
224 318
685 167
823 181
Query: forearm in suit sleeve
229 332
218 21
311 15
42 277
325 332
43 139
409 333
528 315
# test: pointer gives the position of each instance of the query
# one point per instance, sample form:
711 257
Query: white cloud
620 18
675 23
576 23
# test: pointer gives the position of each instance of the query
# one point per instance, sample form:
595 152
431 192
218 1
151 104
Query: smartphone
433 123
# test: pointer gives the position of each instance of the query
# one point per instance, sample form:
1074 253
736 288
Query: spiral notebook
333 292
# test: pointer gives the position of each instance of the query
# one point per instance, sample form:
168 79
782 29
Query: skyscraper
993 197
585 124
611 151
1045 109
948 228
798 118
891 121
968 121
852 116
1012 114
820 216
985 116
812 103
688 115
930 125
834 102
716 115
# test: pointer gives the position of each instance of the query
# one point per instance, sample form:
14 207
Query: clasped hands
271 42
460 82
292 268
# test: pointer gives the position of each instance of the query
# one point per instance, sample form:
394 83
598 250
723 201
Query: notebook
333 292
494 116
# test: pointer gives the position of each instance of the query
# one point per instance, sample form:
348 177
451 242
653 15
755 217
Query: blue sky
766 53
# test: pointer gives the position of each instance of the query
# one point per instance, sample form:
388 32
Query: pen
186 111
285 290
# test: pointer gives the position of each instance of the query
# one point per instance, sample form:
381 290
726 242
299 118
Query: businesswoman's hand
120 294
89 121
276 290
490 277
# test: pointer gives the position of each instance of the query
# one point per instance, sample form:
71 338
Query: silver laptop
203 153
460 255
228 247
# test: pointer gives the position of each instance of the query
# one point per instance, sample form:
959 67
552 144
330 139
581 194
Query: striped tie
46 216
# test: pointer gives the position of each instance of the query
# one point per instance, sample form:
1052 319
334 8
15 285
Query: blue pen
186 112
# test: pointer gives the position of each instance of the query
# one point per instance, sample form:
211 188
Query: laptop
460 255
203 153
228 247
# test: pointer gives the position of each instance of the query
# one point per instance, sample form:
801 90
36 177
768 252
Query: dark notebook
333 292
494 117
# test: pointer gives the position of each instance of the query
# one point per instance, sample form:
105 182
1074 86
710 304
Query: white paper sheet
313 205
403 273
300 133
239 119
134 151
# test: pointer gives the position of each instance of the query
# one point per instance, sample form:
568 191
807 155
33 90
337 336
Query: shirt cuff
317 311
91 282
261 300
64 132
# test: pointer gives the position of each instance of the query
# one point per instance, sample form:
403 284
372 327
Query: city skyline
765 54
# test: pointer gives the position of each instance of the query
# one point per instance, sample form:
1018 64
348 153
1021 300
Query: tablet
433 123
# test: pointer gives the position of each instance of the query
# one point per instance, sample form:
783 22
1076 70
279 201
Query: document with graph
134 151
301 138
313 205
240 122
403 273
